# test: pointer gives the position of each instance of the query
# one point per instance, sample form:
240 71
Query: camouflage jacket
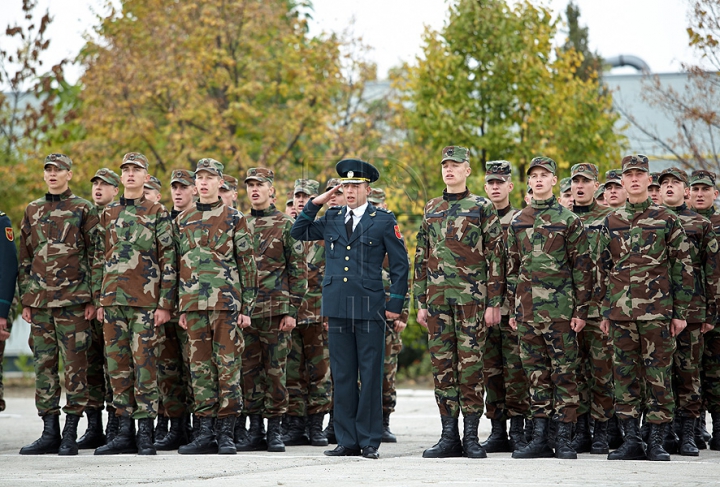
549 267
714 216
216 265
460 256
647 272
311 308
282 270
135 264
57 246
593 217
506 216
702 244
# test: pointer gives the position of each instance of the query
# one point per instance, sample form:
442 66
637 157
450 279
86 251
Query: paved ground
416 422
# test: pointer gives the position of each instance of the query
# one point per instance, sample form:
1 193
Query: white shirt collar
357 212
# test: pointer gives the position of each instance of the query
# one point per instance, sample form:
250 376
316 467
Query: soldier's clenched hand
4 334
100 314
27 314
513 323
90 312
492 316
162 316
422 317
287 323
183 321
243 321
391 316
706 327
399 326
676 326
577 324
605 327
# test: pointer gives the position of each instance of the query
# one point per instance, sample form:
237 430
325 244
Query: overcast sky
654 30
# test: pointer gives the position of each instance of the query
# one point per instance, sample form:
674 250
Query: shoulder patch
9 234
398 234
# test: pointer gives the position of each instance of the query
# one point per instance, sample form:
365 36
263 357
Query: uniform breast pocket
331 242
651 241
467 230
136 234
221 243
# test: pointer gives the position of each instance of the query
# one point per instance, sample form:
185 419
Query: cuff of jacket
395 305
4 308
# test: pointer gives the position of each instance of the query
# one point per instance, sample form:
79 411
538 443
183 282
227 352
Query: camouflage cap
290 198
229 183
333 182
61 161
702 176
600 191
153 183
262 174
674 171
565 185
655 179
306 186
136 159
376 196
498 171
210 165
613 176
586 169
544 162
638 161
455 153
183 176
108 176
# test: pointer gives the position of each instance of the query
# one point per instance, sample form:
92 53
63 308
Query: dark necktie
349 224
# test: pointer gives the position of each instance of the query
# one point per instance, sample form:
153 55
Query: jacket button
344 279
348 247
347 269
347 258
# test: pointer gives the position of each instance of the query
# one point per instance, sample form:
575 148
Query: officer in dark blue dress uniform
357 238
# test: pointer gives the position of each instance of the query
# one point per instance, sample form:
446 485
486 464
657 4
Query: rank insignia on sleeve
397 232
9 234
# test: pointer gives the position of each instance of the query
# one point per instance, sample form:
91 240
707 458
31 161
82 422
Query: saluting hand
327 195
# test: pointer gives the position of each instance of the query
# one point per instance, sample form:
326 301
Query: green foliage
577 39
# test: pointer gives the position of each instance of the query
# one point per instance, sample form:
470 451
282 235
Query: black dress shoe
341 451
370 452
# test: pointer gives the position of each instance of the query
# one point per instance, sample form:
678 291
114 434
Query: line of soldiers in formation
576 323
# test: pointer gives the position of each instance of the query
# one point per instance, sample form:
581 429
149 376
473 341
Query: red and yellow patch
11 236
397 232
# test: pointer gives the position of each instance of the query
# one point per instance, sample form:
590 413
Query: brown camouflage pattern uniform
710 366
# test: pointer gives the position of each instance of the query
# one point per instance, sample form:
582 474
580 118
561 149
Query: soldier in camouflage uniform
135 285
308 364
566 196
615 193
290 206
459 283
594 375
647 284
57 242
654 189
702 245
282 284
8 279
216 298
600 195
153 190
549 287
228 191
506 385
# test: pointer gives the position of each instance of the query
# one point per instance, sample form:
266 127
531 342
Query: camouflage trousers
506 386
263 367
98 380
549 355
393 347
650 343
595 372
710 371
173 371
686 371
131 350
308 382
60 332
456 338
215 348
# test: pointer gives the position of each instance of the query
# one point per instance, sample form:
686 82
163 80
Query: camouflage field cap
61 161
210 165
544 162
455 153
702 176
355 171
105 174
613 176
498 171
585 169
655 179
290 198
333 182
376 196
154 183
262 174
638 161
229 183
673 171
183 176
600 191
306 186
136 159
565 185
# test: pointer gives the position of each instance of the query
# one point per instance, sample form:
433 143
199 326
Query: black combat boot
161 429
687 446
294 434
563 444
671 441
615 434
470 442
330 430
144 437
529 426
600 439
189 426
552 432
700 432
49 441
175 437
387 436
517 433
68 445
256 435
111 429
582 442
715 440
94 436
702 426
498 440
224 432
124 441
317 437
241 433
204 442
449 444
655 450
274 437
538 446
632 447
